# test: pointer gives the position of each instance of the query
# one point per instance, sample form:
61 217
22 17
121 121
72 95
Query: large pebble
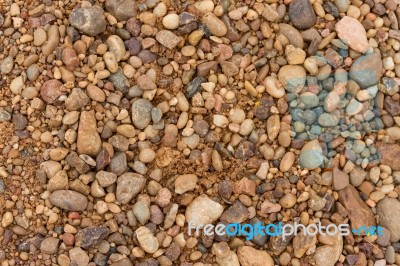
352 33
311 155
203 210
141 113
122 10
168 39
171 21
301 14
292 78
388 210
89 141
89 20
147 241
128 186
216 26
367 70
69 200
185 183
116 46
51 90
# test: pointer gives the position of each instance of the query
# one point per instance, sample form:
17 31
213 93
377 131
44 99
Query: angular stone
89 141
90 237
237 213
352 33
89 20
358 211
128 186
367 70
203 210
168 39
51 90
390 155
185 183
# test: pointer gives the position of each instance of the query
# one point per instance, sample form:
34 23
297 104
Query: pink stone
352 33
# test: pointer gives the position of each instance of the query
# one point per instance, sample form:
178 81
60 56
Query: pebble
354 107
128 186
51 90
250 256
148 242
122 10
171 21
185 183
145 83
88 20
340 179
141 113
7 65
78 257
90 237
311 155
331 102
69 200
203 210
168 39
388 210
292 77
49 245
116 46
88 141
216 26
301 14
367 70
352 33
329 254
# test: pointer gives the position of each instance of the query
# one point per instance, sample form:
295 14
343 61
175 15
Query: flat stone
358 211
69 200
237 213
352 33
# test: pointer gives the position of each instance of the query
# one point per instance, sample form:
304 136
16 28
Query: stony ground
121 121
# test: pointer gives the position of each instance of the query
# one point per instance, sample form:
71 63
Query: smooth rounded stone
185 183
118 164
301 14
328 120
168 39
246 127
171 21
32 72
204 6
352 33
292 78
331 102
17 85
216 26
95 93
249 256
111 62
7 65
340 179
293 35
141 211
126 130
237 115
147 155
230 69
220 121
309 99
7 219
357 176
116 46
141 113
309 117
69 200
388 210
203 210
316 203
134 46
128 186
311 156
88 20
49 245
329 254
367 70
384 238
147 241
342 5
29 93
122 10
393 133
78 257
51 90
89 141
287 161
288 201
354 107
70 59
39 36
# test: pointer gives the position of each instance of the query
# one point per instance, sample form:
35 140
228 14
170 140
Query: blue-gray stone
328 120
